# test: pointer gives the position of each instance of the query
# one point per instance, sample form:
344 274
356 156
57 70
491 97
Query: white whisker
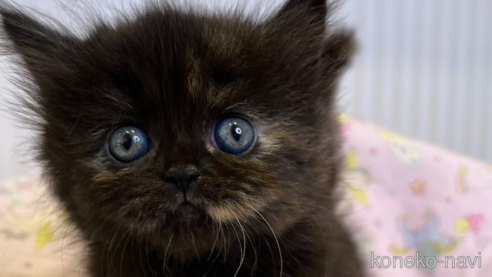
165 253
276 240
243 253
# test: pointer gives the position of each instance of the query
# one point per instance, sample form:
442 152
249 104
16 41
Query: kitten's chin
186 213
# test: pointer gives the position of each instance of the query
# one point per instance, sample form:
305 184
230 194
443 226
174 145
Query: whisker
253 270
276 240
133 256
147 256
243 253
218 252
123 251
228 245
213 246
237 236
116 248
114 232
165 253
194 243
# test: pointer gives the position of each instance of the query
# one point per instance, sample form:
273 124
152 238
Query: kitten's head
173 119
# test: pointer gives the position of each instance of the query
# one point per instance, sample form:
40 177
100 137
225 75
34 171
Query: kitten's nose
183 177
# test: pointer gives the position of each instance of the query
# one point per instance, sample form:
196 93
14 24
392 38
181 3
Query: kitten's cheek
220 215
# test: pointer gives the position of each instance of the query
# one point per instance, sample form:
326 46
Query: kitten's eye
128 144
233 135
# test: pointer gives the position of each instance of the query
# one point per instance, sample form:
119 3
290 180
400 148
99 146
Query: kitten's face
176 120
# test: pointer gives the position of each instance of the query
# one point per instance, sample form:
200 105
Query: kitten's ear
316 8
42 48
338 50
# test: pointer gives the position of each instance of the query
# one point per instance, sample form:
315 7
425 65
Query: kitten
189 144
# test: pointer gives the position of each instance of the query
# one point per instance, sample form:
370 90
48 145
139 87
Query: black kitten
187 144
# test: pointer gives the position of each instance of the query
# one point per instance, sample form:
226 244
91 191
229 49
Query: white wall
424 68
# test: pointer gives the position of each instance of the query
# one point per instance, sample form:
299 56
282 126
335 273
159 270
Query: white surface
424 69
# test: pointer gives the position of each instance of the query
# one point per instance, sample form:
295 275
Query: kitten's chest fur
303 251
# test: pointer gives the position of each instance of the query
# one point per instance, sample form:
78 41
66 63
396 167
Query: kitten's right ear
41 46
315 7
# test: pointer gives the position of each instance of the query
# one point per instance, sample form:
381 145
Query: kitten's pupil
236 132
127 143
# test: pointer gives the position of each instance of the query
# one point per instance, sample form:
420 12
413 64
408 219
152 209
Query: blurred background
424 69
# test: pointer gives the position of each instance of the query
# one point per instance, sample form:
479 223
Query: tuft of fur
174 73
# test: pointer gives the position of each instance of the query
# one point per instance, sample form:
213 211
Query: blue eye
128 144
233 135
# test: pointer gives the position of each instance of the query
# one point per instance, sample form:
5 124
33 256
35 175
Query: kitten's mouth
187 212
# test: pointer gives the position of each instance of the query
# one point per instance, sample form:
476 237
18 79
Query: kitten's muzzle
183 177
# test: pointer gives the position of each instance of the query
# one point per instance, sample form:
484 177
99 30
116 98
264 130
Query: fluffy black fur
174 73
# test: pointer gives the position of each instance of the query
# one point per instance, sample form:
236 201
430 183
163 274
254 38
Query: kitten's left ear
43 49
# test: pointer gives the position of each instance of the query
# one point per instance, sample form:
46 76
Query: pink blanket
413 209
